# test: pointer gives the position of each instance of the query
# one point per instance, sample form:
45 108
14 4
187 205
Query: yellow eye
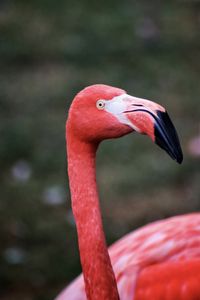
100 104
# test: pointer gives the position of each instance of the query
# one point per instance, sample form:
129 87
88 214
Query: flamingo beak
156 123
150 118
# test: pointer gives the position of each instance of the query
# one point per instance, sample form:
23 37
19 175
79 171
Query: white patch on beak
118 106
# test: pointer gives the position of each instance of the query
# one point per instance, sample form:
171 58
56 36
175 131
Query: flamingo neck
100 283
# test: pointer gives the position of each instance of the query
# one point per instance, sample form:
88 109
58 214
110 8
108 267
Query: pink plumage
160 261
153 252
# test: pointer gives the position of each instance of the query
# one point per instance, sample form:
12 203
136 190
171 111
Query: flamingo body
157 262
160 261
170 281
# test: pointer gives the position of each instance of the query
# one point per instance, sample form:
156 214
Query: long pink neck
99 278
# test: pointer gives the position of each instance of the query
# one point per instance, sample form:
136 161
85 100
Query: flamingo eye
100 104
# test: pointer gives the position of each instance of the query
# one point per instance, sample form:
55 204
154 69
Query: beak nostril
137 105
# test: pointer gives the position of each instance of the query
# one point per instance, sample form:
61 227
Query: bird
161 260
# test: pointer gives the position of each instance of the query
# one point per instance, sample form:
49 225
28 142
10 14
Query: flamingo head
101 112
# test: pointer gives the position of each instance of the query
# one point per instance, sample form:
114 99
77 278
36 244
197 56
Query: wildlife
160 261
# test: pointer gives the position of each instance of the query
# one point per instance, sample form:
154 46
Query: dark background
49 50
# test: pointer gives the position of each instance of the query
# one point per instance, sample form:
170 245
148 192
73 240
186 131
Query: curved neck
100 283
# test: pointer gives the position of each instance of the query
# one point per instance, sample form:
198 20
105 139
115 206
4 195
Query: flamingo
160 261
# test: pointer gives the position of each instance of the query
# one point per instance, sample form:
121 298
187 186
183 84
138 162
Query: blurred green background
49 50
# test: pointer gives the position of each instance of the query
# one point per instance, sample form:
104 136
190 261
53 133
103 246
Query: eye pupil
100 104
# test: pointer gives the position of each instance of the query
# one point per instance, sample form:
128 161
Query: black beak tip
179 159
166 136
